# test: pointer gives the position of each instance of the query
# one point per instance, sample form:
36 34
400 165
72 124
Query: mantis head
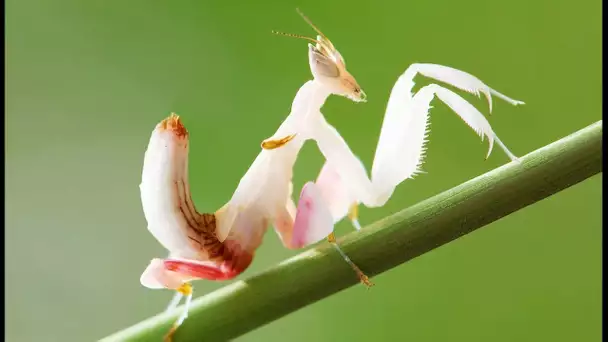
328 66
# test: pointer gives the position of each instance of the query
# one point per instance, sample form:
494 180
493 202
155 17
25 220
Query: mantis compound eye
356 94
361 94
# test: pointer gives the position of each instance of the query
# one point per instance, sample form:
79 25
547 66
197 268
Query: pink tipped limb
177 273
335 193
313 220
198 270
401 145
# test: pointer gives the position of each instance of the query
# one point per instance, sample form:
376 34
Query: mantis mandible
221 245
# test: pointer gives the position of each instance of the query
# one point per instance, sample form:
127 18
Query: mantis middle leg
320 206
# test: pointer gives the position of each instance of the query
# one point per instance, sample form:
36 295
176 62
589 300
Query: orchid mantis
221 245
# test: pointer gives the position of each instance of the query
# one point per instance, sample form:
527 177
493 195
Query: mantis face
328 66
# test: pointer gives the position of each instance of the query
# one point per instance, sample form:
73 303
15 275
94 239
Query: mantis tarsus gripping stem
331 238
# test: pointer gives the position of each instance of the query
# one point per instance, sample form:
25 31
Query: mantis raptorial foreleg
406 119
400 149
343 181
177 297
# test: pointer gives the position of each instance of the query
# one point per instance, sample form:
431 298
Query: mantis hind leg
174 301
184 290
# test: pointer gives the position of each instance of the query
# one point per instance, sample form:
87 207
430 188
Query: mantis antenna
293 35
310 23
321 40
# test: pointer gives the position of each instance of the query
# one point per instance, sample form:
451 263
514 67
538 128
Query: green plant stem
320 272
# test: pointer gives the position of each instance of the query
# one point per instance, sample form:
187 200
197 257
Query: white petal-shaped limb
400 149
321 205
164 188
334 192
457 78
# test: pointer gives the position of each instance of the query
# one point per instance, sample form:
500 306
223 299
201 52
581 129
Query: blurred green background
87 81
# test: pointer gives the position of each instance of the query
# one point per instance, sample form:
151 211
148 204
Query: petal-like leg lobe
284 222
210 271
334 192
313 220
336 195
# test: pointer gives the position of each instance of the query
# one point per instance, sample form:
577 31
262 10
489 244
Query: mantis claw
273 144
365 280
169 336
